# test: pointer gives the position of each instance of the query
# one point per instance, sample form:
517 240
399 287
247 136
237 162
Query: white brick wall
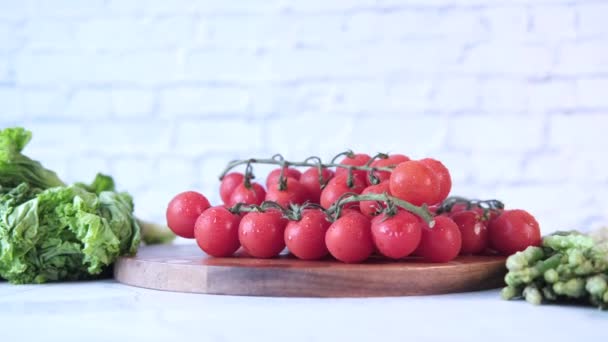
512 95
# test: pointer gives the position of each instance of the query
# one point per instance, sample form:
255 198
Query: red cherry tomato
310 180
294 193
473 231
274 175
513 231
392 161
217 232
306 238
396 236
349 238
337 187
442 242
261 234
183 210
443 176
242 194
358 159
415 182
229 183
372 208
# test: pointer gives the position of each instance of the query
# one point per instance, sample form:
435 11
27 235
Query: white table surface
109 311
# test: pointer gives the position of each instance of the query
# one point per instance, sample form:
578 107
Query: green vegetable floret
569 266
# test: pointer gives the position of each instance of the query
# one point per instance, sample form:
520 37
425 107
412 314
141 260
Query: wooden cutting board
185 268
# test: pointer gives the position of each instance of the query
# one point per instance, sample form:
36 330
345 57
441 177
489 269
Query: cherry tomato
443 176
415 182
294 193
217 232
274 175
183 210
306 238
396 236
229 183
242 194
372 208
513 231
392 161
261 234
473 231
337 187
358 159
349 238
442 242
310 180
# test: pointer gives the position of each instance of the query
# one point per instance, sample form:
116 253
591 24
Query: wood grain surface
185 268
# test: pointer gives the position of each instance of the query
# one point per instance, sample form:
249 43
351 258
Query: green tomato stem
421 211
305 163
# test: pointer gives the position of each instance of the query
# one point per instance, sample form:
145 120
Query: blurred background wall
511 95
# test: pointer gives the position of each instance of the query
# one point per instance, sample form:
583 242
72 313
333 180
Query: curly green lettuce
50 231
16 168
64 233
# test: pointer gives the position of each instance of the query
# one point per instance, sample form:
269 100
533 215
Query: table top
106 310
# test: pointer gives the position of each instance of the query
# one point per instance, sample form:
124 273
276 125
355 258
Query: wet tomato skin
396 236
217 232
183 210
349 238
262 234
229 183
306 238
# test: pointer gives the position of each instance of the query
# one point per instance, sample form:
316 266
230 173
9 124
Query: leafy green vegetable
101 183
64 233
569 266
50 231
16 168
153 234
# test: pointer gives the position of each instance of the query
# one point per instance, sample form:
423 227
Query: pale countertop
109 311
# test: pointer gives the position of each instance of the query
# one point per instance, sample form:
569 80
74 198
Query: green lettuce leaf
63 233
100 183
50 231
16 168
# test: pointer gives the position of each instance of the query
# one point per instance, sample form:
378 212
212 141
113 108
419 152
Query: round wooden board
184 268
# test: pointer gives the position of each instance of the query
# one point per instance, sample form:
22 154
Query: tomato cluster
366 205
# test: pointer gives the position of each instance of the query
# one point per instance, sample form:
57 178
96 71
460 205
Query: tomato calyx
248 176
350 180
391 202
348 153
373 178
295 212
240 208
282 183
319 165
486 207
